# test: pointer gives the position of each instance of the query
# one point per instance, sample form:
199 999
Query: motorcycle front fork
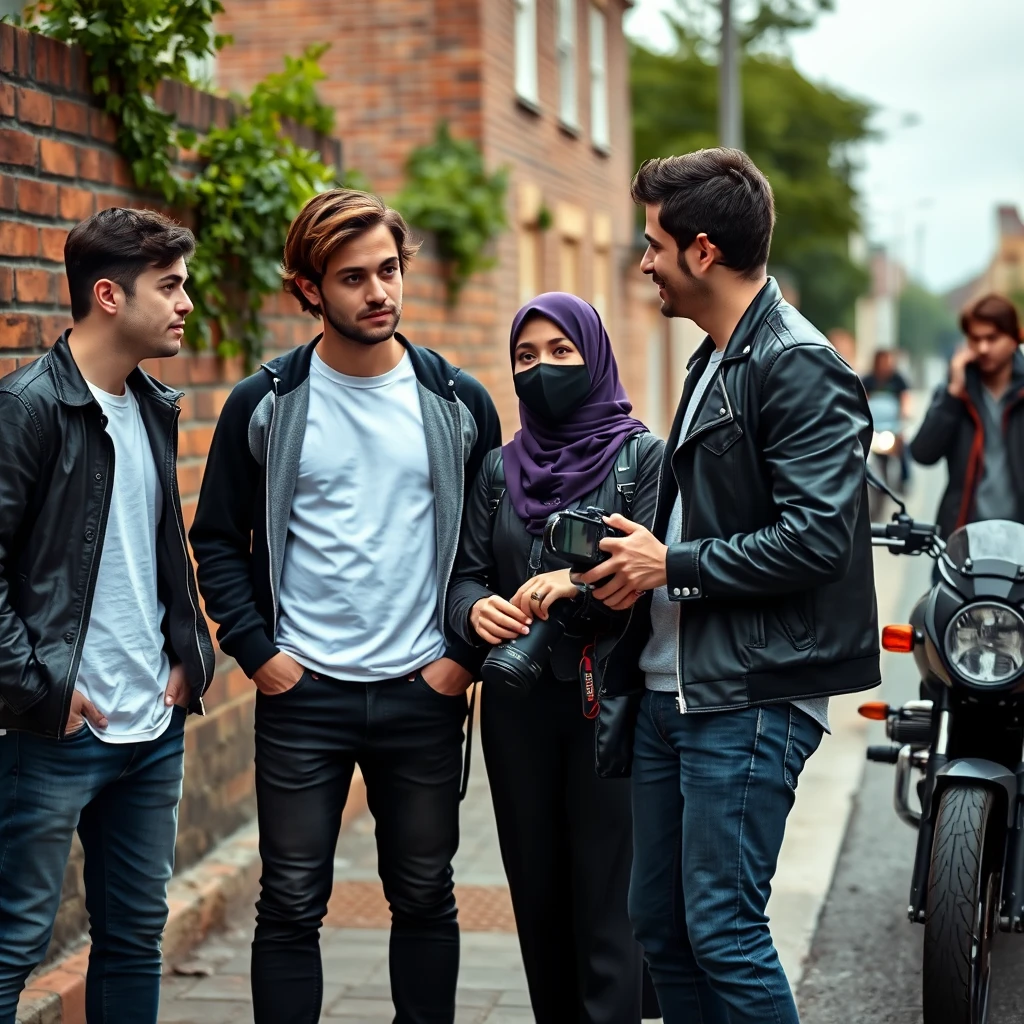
1011 905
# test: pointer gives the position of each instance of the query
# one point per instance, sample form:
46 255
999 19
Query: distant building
542 86
1005 272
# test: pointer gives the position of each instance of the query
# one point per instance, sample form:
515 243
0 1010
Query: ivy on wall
254 178
449 192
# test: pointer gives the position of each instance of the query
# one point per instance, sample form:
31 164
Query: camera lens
521 662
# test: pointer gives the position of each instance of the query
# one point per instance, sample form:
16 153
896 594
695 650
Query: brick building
541 86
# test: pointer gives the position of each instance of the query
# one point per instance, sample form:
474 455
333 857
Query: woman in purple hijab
557 749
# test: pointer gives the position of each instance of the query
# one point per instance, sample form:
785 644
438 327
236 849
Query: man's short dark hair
119 245
716 191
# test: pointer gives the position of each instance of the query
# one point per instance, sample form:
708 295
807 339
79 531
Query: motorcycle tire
963 897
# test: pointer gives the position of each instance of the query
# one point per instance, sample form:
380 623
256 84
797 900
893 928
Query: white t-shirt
124 667
359 594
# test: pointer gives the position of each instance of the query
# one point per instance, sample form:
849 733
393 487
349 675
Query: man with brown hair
102 646
976 420
325 536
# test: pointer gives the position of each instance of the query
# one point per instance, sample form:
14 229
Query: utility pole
730 103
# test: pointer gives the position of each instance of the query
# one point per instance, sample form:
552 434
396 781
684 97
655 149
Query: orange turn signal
899 639
876 710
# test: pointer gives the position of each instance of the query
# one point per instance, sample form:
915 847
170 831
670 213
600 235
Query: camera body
575 536
572 536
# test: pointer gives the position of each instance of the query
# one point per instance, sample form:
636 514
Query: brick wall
396 67
58 164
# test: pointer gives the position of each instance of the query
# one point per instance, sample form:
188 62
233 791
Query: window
568 107
526 50
531 263
599 131
569 258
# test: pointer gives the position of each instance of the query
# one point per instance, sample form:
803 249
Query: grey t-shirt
994 498
661 655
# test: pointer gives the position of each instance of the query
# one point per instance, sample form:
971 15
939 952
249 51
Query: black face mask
552 392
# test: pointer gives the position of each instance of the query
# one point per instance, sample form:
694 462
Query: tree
927 326
800 134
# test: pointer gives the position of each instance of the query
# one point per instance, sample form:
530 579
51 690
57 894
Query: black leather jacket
773 571
56 476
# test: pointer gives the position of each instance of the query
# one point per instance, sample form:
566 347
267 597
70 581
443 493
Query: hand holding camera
537 595
635 562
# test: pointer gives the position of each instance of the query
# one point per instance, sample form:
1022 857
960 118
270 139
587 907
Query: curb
198 902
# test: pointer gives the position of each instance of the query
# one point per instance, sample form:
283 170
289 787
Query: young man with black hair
755 587
103 648
326 533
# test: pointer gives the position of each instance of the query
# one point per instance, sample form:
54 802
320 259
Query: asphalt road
864 965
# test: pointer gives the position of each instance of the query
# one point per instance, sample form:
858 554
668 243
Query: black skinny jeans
407 739
566 841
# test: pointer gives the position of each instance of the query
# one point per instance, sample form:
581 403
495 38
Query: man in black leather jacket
103 647
763 593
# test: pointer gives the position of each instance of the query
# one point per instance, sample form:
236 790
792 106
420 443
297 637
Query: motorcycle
886 458
964 737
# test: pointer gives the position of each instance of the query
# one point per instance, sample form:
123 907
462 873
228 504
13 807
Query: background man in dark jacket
976 420
325 537
102 645
763 600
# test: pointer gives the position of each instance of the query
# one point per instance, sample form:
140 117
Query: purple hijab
550 465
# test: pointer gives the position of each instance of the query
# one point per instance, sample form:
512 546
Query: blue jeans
711 793
123 800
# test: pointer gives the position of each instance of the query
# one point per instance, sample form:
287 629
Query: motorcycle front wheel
963 898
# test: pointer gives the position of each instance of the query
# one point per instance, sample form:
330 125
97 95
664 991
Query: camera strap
588 682
627 463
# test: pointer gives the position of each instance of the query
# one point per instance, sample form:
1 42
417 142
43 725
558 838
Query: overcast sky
931 189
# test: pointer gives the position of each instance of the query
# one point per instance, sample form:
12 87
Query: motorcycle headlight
985 644
883 443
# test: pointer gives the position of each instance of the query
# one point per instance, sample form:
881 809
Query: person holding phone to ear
565 831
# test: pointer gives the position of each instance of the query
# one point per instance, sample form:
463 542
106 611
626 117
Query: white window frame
568 72
526 50
600 130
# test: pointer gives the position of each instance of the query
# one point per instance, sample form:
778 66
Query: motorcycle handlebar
904 536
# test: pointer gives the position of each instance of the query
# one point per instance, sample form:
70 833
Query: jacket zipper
90 587
462 494
172 479
266 508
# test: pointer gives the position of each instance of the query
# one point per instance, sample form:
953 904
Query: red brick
190 477
203 369
17 239
18 147
38 197
52 243
63 291
52 327
38 287
6 100
35 107
7 365
95 164
120 174
6 284
195 440
53 62
102 126
76 203
8 194
208 404
57 158
23 54
19 330
6 49
70 116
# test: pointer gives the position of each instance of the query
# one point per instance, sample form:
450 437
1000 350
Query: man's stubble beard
352 330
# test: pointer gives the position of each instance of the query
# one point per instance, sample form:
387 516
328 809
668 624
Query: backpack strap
627 466
497 484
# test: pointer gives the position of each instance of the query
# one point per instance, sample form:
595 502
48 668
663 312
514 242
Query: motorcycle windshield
989 542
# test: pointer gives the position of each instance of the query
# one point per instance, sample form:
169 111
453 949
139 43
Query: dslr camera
573 536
